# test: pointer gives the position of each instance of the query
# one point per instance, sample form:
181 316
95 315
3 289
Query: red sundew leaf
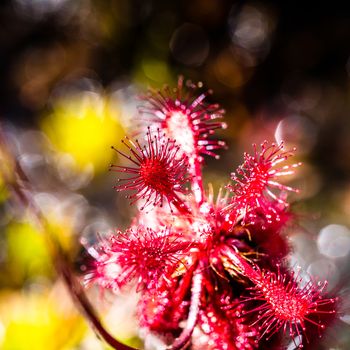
284 301
254 181
184 115
157 172
104 270
143 255
290 306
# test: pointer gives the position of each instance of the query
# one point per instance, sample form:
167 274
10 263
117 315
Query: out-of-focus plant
51 222
36 320
3 192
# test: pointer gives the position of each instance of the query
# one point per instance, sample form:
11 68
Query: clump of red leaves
211 272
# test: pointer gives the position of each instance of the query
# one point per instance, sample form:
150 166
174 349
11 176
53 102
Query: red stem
197 180
196 291
180 205
87 309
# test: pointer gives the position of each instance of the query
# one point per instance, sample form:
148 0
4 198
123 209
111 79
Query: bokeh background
70 73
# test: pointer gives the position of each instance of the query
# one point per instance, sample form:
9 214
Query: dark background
307 48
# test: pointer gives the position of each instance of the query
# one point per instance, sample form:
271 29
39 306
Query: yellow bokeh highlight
40 321
84 125
27 256
29 251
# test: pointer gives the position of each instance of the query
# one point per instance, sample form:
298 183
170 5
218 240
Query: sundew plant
211 268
